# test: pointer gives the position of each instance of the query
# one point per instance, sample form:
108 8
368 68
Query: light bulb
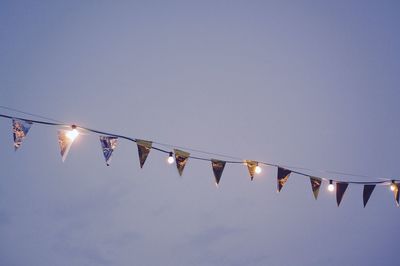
258 169
72 134
393 186
170 159
331 187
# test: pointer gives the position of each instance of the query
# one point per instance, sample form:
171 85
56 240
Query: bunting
21 127
144 148
108 144
218 167
368 189
283 176
65 143
315 185
181 158
251 166
20 130
340 190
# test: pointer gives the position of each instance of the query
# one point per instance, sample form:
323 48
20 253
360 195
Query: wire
31 114
235 161
328 171
199 151
33 121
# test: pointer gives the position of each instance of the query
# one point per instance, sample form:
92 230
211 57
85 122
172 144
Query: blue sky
305 83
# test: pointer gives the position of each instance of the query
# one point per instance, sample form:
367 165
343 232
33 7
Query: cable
31 114
199 151
328 171
290 168
34 121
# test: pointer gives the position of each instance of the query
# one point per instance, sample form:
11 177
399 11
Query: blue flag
108 144
20 130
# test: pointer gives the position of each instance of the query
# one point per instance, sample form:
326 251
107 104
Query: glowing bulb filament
393 186
258 169
170 159
72 134
331 187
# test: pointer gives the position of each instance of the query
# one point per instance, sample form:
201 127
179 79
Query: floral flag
20 130
144 148
181 158
108 144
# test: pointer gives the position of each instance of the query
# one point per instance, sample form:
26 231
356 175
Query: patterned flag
108 144
144 148
251 166
340 190
218 167
65 144
315 185
20 130
283 176
367 193
181 158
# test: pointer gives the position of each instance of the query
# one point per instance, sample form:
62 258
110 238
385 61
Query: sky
301 83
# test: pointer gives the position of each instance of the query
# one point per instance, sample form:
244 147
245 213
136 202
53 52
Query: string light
72 134
170 159
331 187
393 186
258 169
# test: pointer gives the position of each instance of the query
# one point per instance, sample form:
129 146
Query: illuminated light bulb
72 134
170 159
393 186
258 169
331 187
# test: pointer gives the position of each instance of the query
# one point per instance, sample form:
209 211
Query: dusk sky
313 84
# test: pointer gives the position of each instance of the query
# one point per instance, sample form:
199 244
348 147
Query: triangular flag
283 175
108 144
144 148
218 167
367 193
65 143
315 185
396 193
251 165
181 158
20 130
340 190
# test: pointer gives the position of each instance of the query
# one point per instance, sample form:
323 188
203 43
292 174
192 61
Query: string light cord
30 114
118 136
198 151
34 121
236 159
239 161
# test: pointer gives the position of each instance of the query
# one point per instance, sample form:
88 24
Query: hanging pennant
340 190
218 167
367 193
144 148
65 143
315 185
251 166
181 158
283 176
108 144
20 130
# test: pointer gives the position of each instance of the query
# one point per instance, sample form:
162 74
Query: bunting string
180 155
